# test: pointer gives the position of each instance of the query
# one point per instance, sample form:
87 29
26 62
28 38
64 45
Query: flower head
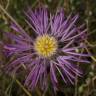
55 46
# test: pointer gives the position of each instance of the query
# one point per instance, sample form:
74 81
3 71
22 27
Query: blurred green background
87 11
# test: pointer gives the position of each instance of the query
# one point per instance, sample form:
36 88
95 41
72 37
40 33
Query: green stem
24 89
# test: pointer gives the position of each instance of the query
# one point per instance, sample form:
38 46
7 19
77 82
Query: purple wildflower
52 50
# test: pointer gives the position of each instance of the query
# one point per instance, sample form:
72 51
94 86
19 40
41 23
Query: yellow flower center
45 45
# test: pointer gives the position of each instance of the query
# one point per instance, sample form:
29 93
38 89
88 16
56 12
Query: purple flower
54 48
